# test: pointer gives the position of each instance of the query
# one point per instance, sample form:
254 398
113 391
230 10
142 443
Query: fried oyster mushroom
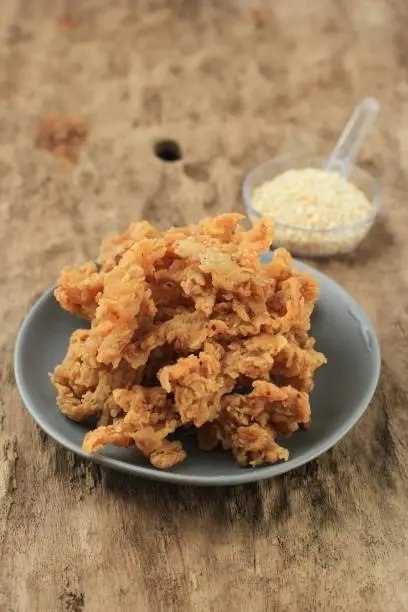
189 329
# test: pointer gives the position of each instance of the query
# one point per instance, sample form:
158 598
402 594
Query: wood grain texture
234 83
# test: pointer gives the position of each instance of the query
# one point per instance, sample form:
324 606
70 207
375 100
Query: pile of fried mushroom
189 329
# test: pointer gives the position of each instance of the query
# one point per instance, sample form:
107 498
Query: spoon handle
348 145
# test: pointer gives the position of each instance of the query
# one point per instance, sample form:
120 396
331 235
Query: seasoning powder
313 202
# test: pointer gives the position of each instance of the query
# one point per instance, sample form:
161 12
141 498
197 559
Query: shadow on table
254 503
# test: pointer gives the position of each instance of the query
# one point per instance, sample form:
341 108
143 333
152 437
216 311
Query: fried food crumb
62 135
67 22
189 329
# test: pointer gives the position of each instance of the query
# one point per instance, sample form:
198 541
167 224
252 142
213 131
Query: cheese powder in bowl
315 212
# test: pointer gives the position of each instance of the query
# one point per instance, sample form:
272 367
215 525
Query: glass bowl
311 242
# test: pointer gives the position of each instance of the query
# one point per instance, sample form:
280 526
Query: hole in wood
168 150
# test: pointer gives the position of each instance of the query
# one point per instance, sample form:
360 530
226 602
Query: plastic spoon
348 145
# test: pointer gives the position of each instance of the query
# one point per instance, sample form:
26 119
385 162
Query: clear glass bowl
310 242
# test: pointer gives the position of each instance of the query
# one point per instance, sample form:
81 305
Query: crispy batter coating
253 357
125 303
198 383
282 408
113 249
79 289
149 418
189 329
297 365
84 390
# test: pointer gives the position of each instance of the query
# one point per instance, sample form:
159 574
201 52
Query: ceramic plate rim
248 474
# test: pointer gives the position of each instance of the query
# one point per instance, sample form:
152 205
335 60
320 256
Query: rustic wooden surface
233 83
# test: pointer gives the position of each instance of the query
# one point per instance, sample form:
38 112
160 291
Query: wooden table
233 83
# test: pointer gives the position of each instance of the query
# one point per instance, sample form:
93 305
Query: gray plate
344 388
